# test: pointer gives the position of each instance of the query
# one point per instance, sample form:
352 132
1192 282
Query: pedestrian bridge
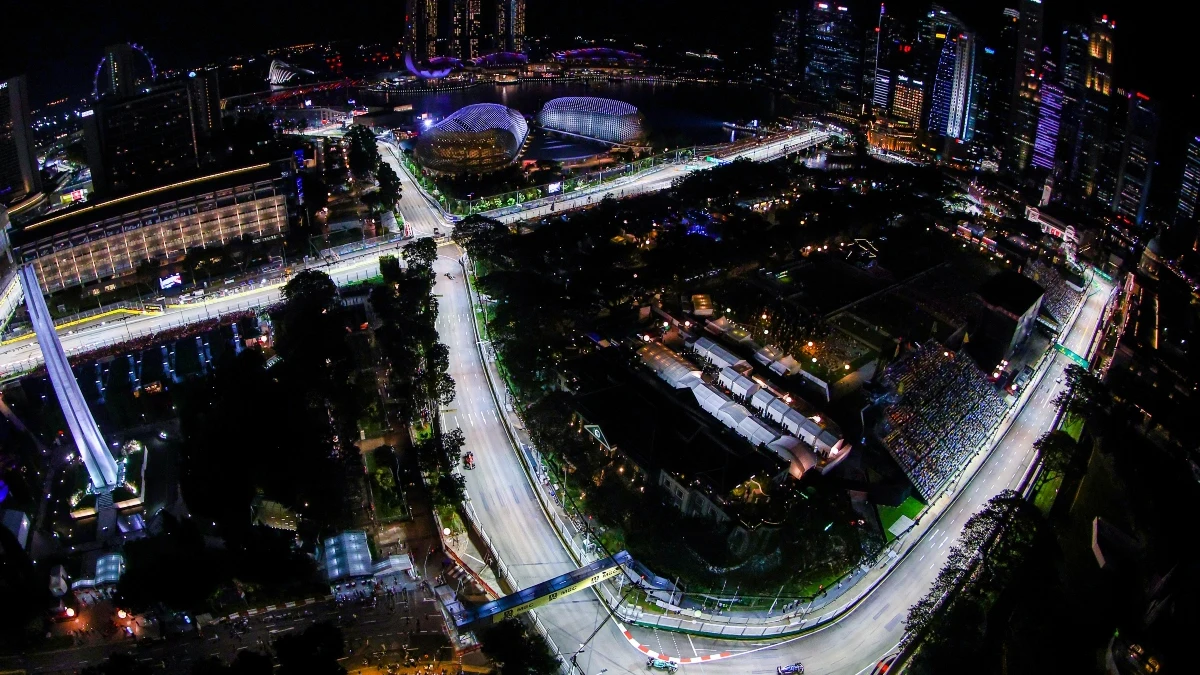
544 593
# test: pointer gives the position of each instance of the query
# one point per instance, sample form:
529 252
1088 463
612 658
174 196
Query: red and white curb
673 659
246 614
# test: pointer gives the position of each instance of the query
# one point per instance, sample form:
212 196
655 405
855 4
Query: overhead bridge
544 593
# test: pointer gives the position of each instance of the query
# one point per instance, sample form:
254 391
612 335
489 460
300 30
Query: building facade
1189 186
908 100
19 173
952 112
421 30
1095 110
153 138
1024 108
510 25
1136 167
1050 106
103 240
478 138
601 118
832 71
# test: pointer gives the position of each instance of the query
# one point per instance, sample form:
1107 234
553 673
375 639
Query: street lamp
446 531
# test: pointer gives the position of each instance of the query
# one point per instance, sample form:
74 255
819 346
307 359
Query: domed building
603 118
476 139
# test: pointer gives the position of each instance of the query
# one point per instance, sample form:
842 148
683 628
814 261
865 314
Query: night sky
58 46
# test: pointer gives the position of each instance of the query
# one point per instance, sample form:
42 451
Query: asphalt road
513 518
508 510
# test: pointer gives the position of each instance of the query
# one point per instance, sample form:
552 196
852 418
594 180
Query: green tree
517 650
1056 450
389 186
1085 395
385 479
420 256
363 155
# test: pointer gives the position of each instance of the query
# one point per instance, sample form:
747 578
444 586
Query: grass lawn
888 515
389 502
449 517
422 432
1047 491
1072 425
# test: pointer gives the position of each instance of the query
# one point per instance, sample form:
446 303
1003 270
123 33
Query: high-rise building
832 72
421 29
1092 137
951 113
1189 186
465 29
117 77
1045 144
908 99
787 43
993 84
1137 159
1024 109
879 58
510 25
19 174
881 84
145 140
207 93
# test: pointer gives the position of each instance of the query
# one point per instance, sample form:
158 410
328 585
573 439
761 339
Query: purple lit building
1045 143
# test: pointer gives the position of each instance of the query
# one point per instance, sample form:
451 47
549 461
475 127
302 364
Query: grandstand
941 413
1063 292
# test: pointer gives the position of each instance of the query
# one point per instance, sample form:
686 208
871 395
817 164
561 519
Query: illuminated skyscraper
19 174
908 99
510 25
421 17
879 58
1137 159
1189 186
1095 107
993 84
117 78
832 73
1045 146
465 29
952 111
788 41
1024 109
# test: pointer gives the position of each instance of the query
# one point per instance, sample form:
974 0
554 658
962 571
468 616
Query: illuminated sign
87 113
171 281
3 85
550 597
554 188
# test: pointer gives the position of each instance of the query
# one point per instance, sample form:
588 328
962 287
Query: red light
1143 96
876 29
1104 17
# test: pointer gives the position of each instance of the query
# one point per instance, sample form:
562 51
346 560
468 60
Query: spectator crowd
942 412
1060 299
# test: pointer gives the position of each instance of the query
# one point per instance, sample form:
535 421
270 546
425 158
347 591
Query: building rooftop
347 556
1011 291
87 213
